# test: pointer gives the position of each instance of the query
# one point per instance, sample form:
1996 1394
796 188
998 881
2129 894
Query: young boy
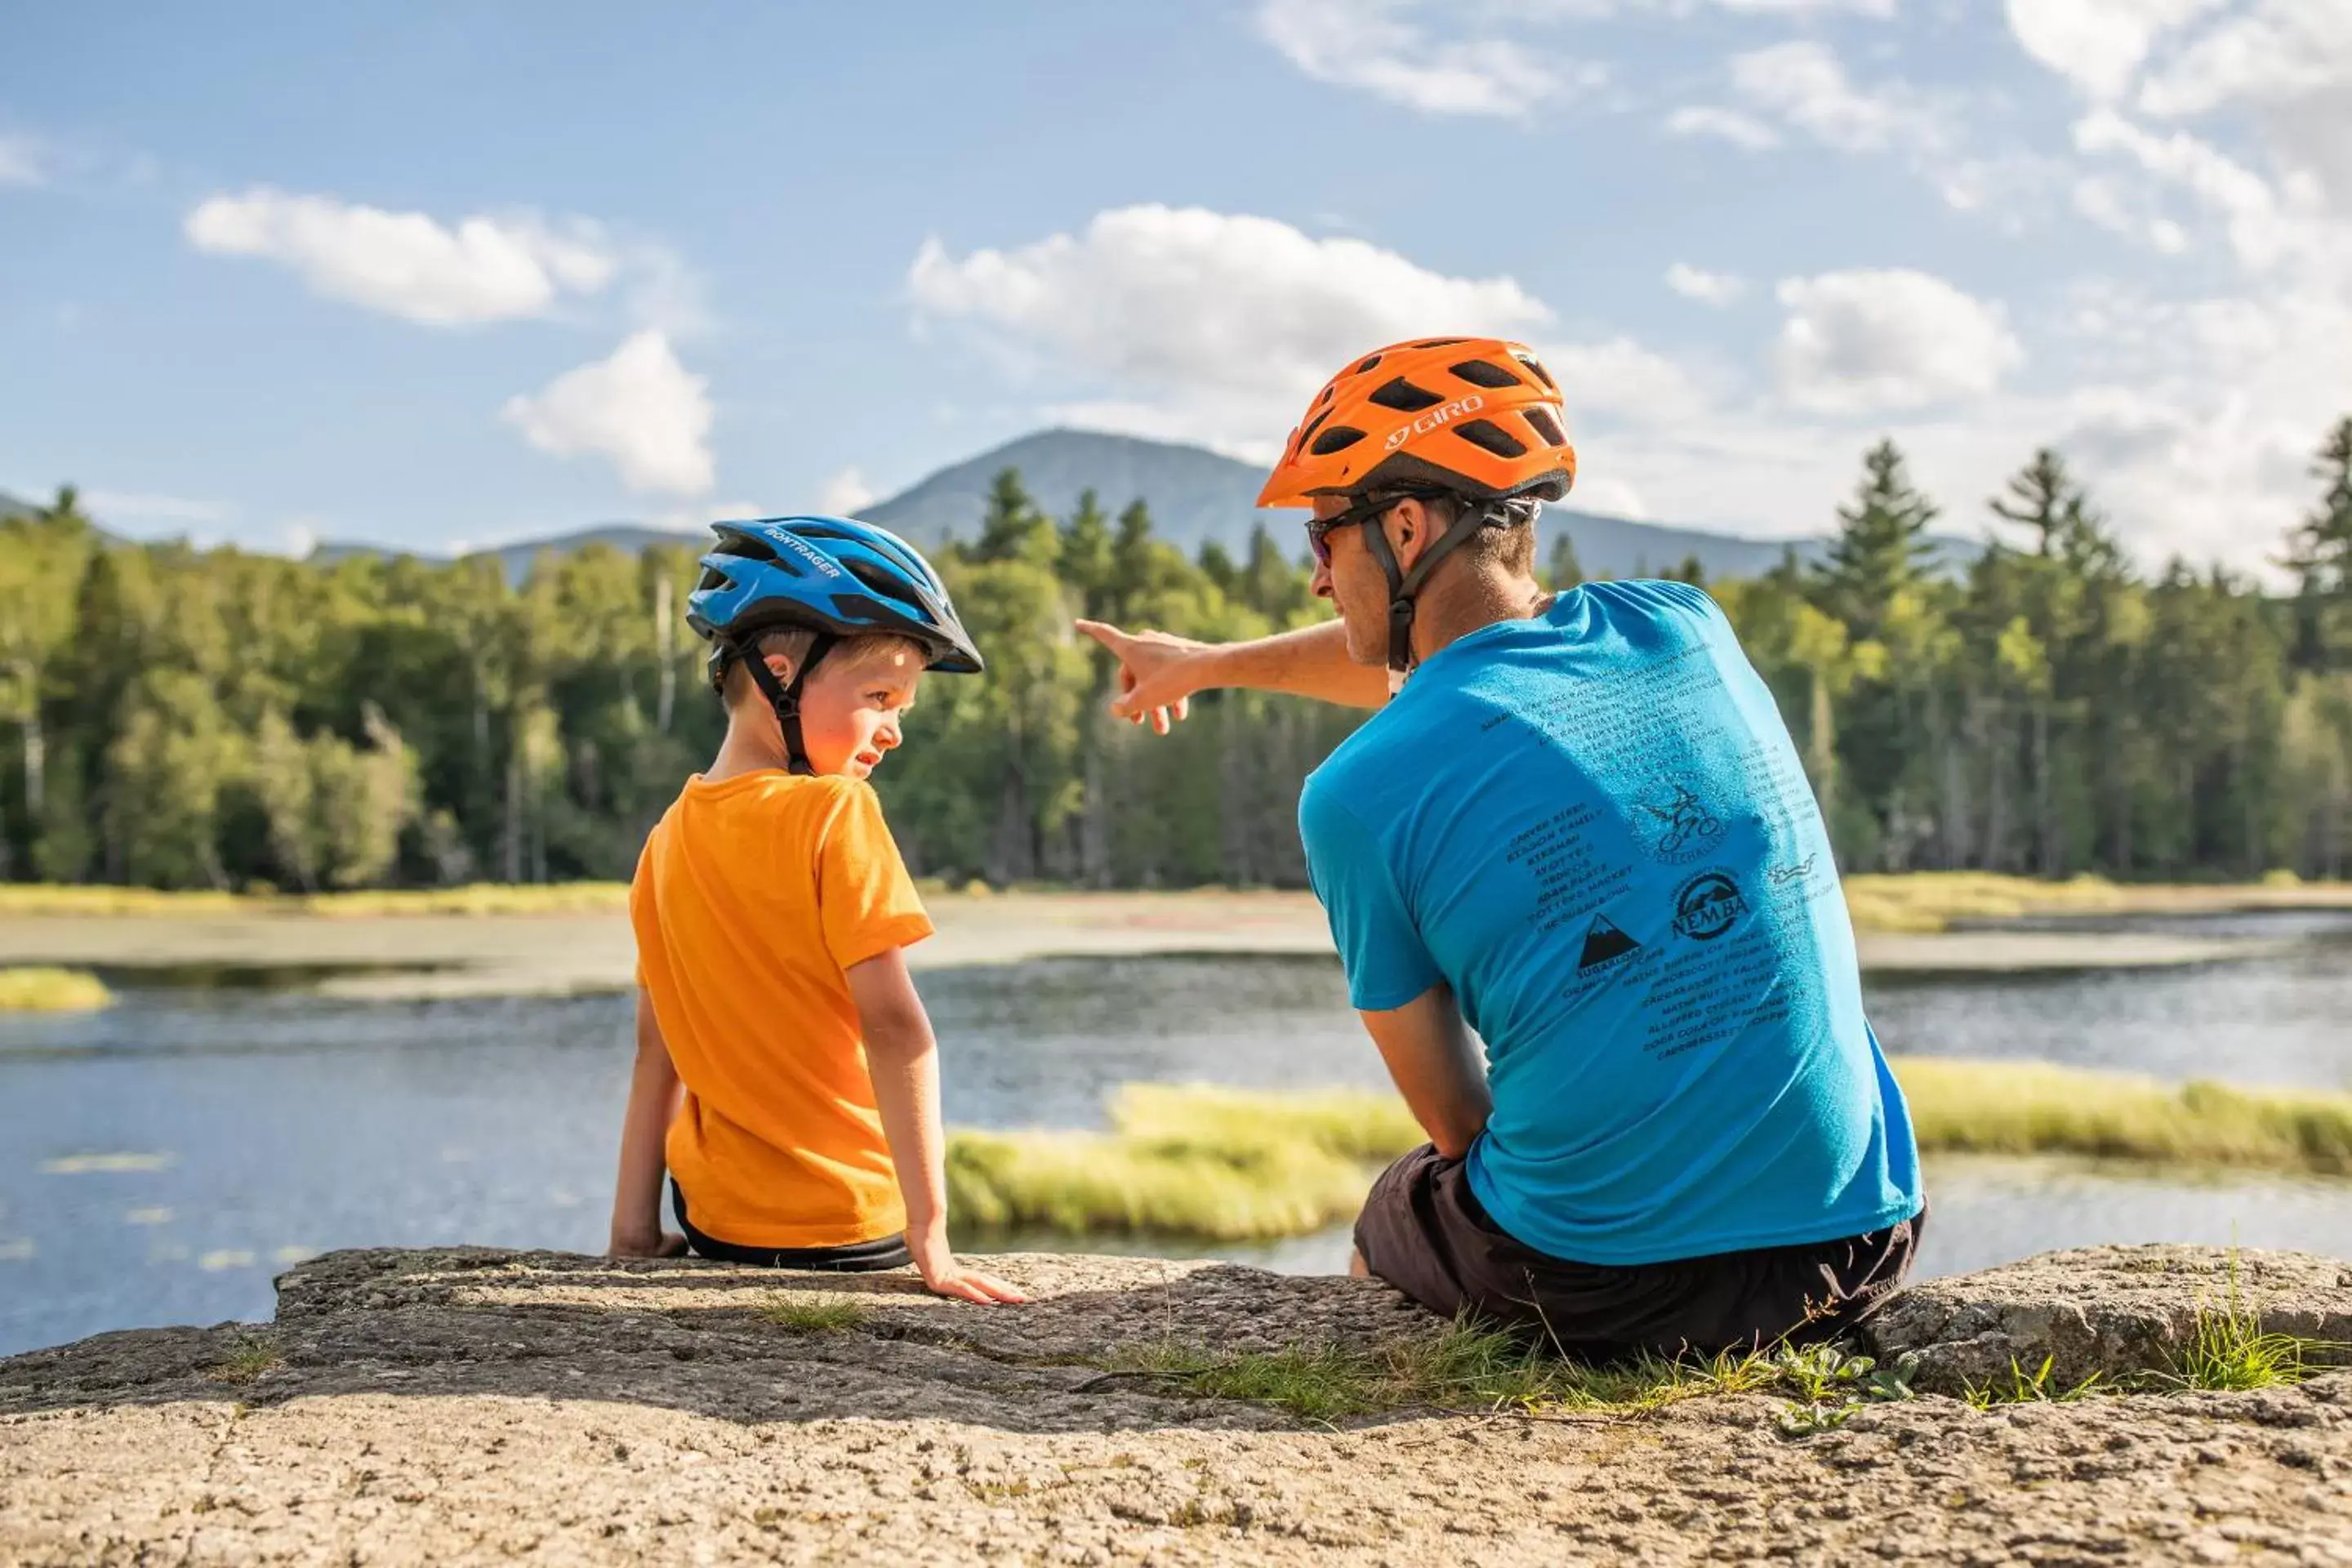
786 1076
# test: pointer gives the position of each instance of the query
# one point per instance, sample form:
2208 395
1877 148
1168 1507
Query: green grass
813 1315
1185 1160
2036 1108
2228 1349
1932 900
2023 1387
1462 1366
46 900
36 990
1229 1164
254 1354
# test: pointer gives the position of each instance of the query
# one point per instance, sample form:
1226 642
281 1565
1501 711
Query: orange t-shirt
752 898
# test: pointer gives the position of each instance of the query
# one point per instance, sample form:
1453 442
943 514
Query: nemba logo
810 552
1435 417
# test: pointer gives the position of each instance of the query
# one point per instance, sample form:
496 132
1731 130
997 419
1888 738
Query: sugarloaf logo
1708 905
1604 944
1456 409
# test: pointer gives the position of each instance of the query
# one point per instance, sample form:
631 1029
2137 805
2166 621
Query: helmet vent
1439 342
1493 438
1480 372
1535 365
1338 439
1309 429
1369 364
1545 425
883 582
1405 398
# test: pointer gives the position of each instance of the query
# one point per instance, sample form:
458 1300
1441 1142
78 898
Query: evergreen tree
1881 547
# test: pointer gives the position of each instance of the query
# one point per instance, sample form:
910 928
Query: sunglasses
1318 529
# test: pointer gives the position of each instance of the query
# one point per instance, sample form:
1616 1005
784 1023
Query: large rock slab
461 1406
2112 1311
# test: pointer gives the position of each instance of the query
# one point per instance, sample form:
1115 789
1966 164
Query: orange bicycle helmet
1478 419
1478 415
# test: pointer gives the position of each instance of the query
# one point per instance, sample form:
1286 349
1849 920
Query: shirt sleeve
866 901
1380 944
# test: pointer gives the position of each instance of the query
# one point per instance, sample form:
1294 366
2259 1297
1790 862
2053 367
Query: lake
161 1161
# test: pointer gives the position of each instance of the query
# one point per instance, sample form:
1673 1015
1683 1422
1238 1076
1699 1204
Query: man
1579 829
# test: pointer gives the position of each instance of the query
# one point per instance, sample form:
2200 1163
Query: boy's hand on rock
655 1243
1155 674
945 1277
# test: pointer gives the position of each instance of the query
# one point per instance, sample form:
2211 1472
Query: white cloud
1707 288
845 494
1222 324
1610 497
1368 45
1804 83
407 264
22 161
641 408
1725 124
2266 223
2097 44
1861 341
2276 51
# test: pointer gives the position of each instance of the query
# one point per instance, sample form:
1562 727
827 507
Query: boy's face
850 710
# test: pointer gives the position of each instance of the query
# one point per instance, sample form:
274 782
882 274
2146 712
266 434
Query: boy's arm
903 1060
1157 673
653 1090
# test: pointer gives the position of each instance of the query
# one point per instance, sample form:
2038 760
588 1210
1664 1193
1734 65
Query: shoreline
421 957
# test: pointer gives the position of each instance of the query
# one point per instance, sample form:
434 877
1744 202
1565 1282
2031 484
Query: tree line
217 718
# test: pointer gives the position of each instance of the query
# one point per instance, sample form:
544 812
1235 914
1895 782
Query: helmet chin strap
785 697
1404 586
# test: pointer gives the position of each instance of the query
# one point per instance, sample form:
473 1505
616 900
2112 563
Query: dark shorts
859 1258
1424 1231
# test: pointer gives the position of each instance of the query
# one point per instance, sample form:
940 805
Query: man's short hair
1511 547
849 653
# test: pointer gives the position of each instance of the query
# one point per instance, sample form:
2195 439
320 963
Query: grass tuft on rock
813 1314
254 1354
1462 1366
31 989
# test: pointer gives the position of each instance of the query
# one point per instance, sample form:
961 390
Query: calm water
161 1161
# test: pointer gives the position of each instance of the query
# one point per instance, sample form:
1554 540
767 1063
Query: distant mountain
1195 496
629 538
11 507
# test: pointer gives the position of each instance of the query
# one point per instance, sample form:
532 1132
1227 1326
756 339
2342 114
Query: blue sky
441 275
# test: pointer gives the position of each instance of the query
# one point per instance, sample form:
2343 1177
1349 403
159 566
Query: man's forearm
1312 661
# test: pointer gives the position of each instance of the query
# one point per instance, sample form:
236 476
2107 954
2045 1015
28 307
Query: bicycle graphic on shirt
1688 828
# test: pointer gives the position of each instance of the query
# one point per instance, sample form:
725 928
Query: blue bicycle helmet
834 575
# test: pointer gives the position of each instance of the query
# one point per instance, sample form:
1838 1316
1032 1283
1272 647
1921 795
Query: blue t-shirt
1594 827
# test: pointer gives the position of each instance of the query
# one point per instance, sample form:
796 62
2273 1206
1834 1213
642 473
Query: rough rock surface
469 1405
2104 1310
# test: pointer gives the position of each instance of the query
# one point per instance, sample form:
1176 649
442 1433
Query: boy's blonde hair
793 642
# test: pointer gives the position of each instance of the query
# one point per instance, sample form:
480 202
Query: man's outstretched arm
1434 1063
1158 674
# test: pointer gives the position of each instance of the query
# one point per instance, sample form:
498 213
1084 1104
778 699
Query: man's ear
780 666
1409 521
